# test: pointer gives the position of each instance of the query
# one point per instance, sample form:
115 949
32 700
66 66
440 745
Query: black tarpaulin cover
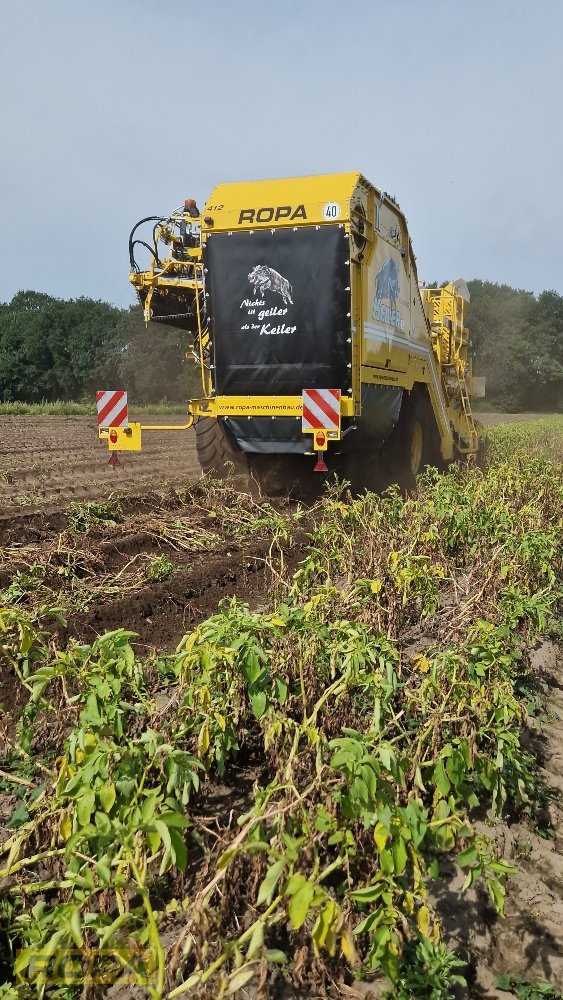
279 305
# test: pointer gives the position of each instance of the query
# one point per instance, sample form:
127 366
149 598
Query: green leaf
18 817
37 792
179 849
350 750
107 795
104 872
24 958
370 779
106 935
90 714
324 822
497 894
434 869
226 858
85 805
359 791
256 941
175 819
258 702
75 928
441 779
281 691
103 823
368 894
468 857
240 979
387 758
455 768
299 905
269 883
386 861
294 882
502 867
381 836
399 856
275 955
164 832
154 841
368 922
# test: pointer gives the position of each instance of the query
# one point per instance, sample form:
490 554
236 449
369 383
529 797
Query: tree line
518 345
55 349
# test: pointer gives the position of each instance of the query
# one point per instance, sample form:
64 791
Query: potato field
257 749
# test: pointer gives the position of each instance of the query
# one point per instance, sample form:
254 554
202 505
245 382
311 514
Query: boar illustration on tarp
387 285
263 277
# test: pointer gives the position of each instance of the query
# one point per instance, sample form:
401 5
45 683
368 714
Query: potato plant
378 701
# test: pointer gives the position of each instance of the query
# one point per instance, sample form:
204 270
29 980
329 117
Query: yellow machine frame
418 338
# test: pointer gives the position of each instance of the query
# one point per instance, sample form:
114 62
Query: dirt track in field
48 463
104 577
44 460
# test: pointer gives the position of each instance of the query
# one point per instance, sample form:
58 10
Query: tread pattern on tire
416 406
216 455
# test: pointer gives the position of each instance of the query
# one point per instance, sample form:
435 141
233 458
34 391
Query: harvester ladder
445 312
465 406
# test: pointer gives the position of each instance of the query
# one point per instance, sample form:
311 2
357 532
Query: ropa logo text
271 214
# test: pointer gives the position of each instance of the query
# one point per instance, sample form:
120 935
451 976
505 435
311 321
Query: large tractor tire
289 476
415 442
217 455
259 475
422 437
481 456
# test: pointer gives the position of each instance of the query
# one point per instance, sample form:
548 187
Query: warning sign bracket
321 412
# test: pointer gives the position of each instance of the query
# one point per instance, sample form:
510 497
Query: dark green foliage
52 349
153 363
524 990
518 345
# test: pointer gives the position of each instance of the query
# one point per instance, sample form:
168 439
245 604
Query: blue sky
116 109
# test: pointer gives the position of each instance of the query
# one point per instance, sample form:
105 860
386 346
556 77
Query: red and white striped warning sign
112 408
321 409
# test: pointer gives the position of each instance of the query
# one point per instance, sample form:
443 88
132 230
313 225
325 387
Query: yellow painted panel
292 201
126 438
258 406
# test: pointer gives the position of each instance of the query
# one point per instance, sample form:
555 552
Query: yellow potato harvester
316 344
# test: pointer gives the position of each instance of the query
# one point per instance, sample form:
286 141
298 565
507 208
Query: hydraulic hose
149 218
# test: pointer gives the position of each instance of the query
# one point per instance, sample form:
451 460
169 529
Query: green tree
153 363
55 349
518 345
66 349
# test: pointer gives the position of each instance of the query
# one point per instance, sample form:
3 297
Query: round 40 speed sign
331 211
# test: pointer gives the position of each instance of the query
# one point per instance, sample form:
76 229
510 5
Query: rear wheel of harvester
279 475
217 455
416 446
270 475
416 439
481 455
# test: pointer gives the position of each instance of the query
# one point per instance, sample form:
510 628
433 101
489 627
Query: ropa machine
317 346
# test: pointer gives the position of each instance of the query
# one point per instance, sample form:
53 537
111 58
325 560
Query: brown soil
491 419
47 459
528 941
